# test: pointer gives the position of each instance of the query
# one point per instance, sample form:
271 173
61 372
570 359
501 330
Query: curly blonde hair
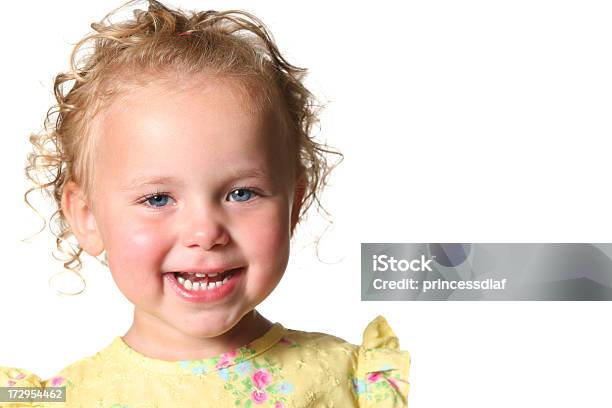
155 45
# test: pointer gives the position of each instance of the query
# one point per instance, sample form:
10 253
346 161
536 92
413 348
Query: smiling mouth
202 281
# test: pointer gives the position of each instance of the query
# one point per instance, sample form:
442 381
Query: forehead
181 129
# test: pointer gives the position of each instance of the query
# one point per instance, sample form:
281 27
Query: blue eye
242 194
160 200
157 197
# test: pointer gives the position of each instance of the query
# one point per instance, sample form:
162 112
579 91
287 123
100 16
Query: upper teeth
201 275
202 285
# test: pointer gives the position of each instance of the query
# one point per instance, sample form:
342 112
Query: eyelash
146 198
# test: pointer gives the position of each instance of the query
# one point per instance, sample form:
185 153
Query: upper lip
208 271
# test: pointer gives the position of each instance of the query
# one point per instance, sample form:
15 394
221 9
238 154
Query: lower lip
204 296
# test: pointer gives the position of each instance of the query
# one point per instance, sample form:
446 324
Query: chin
207 326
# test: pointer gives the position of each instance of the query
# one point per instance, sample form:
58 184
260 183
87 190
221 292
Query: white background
471 121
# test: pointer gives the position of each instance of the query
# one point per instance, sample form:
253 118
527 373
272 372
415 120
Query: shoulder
371 374
316 340
18 377
92 366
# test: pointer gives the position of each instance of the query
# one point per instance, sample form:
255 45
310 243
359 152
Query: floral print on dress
256 383
378 386
251 382
220 362
57 381
17 376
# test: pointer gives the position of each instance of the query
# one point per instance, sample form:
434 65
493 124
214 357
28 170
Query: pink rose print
20 376
261 378
373 377
57 381
10 383
284 341
258 396
226 359
258 380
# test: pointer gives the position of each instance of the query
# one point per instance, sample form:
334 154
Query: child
184 154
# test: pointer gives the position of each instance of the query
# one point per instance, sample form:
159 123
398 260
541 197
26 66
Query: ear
81 219
298 195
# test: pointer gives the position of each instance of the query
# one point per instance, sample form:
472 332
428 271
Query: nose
204 228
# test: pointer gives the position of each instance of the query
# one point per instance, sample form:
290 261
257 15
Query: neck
148 337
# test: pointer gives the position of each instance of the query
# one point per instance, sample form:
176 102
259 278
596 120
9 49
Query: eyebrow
147 180
141 181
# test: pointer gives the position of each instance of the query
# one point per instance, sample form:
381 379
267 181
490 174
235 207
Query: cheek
135 252
265 241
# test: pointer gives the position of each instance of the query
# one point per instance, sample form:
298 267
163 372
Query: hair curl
155 45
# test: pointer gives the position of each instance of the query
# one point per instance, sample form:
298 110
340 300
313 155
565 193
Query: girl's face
191 179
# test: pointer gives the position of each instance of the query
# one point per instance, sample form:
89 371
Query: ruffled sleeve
16 377
381 378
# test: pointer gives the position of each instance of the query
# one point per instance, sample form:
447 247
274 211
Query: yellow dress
284 368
